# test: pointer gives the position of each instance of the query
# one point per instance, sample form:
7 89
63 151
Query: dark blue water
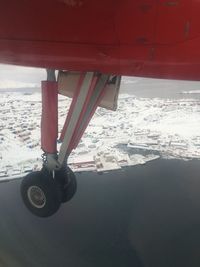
140 216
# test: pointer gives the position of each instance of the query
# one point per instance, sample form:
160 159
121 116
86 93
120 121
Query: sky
13 77
17 77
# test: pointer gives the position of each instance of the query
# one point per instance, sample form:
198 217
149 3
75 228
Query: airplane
92 44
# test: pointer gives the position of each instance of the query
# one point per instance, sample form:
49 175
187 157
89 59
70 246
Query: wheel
67 180
70 187
41 193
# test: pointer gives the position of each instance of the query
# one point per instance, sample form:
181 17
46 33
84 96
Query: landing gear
41 193
44 191
67 180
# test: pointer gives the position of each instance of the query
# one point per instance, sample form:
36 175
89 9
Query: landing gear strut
45 190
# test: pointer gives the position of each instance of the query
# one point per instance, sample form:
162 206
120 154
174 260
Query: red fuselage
150 38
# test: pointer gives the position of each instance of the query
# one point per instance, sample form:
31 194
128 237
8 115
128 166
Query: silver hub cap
36 197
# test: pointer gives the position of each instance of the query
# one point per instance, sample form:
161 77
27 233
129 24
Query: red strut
49 121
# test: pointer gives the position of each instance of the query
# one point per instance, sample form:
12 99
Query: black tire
67 180
41 193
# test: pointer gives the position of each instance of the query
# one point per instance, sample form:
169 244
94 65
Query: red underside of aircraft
94 42
151 38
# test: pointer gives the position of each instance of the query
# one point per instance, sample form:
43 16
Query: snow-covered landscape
142 129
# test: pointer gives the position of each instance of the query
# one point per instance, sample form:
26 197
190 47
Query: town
141 130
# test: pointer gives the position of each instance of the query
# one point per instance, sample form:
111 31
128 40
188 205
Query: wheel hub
36 197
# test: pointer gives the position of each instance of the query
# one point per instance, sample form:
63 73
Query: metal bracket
51 162
51 75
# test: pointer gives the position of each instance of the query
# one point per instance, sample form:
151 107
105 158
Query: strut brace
87 96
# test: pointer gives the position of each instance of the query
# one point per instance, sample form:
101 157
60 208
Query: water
140 216
157 88
30 90
143 87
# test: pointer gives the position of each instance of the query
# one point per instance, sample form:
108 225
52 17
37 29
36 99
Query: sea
159 88
141 87
142 216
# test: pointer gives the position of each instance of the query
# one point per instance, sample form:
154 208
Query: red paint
49 121
150 38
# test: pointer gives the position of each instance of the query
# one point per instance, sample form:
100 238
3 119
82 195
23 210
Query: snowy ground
140 130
